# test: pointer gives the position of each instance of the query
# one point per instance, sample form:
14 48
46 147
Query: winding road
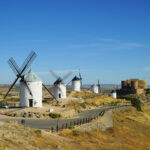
47 124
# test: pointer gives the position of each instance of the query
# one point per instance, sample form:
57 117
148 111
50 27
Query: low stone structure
133 86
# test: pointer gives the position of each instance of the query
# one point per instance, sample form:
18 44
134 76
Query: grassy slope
91 100
127 133
14 137
131 131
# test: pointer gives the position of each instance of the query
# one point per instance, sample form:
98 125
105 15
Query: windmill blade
99 88
49 91
27 86
11 87
54 74
68 83
67 75
28 61
80 77
98 83
13 66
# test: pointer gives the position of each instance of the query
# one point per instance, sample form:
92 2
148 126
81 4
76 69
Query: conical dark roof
75 78
113 91
58 81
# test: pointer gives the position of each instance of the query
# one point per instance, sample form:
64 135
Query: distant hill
104 85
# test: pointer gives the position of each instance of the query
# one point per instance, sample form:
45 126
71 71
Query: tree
136 103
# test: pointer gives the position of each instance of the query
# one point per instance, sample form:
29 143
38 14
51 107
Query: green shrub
93 103
3 103
148 91
79 111
38 132
114 103
71 127
54 115
136 103
75 133
83 105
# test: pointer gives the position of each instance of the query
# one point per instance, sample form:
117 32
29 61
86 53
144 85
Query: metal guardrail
84 120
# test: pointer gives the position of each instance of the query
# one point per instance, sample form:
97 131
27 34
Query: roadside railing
69 123
81 121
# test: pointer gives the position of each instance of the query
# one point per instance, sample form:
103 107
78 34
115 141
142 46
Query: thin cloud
126 46
110 44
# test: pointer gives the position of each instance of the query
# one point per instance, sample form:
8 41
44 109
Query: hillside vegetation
130 131
88 100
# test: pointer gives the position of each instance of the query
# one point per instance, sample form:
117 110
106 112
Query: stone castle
133 86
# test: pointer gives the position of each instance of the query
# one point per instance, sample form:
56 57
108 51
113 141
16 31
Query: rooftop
75 78
31 77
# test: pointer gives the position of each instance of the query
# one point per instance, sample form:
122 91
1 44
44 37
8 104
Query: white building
59 89
114 94
76 84
35 86
95 88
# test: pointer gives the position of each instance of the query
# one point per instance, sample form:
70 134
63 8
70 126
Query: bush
75 133
83 105
71 127
148 91
3 103
79 111
114 103
54 115
136 103
38 132
94 104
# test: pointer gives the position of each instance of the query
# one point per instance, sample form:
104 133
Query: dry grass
131 131
91 100
126 134
142 117
14 136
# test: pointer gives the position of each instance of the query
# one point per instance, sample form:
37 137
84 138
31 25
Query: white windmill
76 83
35 85
114 94
60 86
96 88
30 84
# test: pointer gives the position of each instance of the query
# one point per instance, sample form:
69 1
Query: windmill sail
19 71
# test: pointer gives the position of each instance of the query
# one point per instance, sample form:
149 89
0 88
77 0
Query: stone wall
133 86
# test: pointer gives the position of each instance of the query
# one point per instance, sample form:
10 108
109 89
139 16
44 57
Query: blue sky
108 40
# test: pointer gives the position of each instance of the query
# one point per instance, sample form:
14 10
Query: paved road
49 123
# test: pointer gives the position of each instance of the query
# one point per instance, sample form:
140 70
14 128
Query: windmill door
59 95
30 102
